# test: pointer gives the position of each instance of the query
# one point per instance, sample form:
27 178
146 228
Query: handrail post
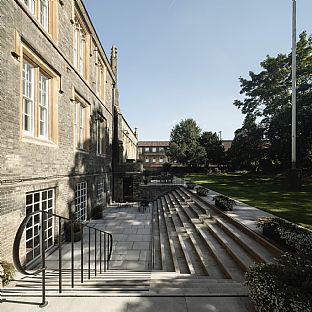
81 253
43 268
72 252
89 255
95 232
104 252
100 252
60 255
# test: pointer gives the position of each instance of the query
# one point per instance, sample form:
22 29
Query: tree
268 96
247 149
184 144
213 148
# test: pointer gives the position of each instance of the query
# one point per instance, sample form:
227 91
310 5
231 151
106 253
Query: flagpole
293 100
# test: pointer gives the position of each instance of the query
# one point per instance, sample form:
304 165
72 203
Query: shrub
190 185
97 212
7 271
224 202
290 235
201 191
285 286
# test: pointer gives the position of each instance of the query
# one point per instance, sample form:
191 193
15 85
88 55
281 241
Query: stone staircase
193 237
196 251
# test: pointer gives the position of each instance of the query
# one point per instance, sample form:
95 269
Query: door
128 189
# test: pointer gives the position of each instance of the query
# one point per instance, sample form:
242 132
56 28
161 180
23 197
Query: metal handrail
107 245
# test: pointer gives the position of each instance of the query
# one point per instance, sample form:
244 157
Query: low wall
152 191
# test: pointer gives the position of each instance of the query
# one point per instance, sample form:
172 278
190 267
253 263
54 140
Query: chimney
114 60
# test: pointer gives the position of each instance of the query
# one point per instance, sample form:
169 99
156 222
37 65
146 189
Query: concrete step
226 264
234 250
156 252
166 255
253 247
178 255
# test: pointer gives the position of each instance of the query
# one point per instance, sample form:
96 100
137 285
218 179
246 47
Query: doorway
128 189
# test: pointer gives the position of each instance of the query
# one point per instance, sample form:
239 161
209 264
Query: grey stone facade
34 165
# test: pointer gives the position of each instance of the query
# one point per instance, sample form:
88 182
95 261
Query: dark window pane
36 197
37 251
44 205
28 199
29 256
29 223
37 218
28 210
37 240
50 203
50 194
36 207
36 230
29 233
50 222
44 195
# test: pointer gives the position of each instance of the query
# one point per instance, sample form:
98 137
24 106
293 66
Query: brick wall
30 166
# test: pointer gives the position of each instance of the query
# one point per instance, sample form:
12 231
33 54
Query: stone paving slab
130 304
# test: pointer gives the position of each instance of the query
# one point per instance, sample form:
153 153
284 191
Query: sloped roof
153 143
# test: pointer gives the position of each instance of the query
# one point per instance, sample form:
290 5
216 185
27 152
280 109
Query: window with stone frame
36 201
161 159
101 135
154 149
45 12
100 190
146 159
146 149
81 124
80 46
39 98
81 201
100 79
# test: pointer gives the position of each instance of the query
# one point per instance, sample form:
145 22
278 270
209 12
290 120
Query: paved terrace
132 232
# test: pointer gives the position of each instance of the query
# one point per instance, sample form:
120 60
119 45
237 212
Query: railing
105 248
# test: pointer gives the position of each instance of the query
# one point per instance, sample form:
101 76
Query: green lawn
265 192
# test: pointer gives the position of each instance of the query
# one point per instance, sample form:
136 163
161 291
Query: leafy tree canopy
213 148
268 96
184 143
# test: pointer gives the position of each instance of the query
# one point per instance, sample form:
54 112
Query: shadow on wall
91 174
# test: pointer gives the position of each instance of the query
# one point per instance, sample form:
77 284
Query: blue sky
182 59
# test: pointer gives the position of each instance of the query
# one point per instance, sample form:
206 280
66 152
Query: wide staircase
193 238
195 249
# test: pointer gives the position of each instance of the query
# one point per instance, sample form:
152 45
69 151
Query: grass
265 192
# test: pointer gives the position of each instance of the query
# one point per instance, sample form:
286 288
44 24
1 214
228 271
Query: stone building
59 109
153 153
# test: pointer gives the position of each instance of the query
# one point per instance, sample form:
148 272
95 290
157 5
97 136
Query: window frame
34 223
39 69
81 124
50 15
101 132
81 47
81 208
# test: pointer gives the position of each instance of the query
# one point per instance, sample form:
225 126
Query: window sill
38 141
78 150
